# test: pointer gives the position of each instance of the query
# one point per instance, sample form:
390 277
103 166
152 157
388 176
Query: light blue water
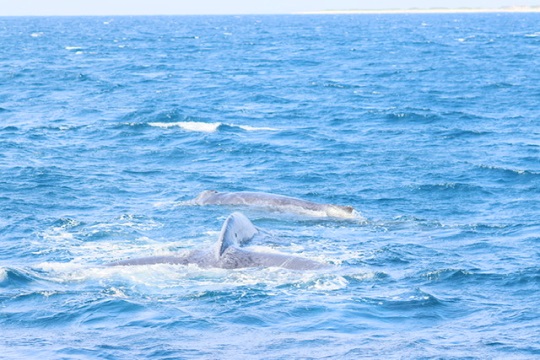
426 124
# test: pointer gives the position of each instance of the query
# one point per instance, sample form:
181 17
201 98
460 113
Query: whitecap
36 34
57 235
509 169
207 127
252 128
169 203
3 275
330 283
73 48
189 125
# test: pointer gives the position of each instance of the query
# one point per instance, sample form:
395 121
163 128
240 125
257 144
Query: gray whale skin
275 202
227 253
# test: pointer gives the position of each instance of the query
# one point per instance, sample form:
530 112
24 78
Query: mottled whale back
227 253
274 202
202 198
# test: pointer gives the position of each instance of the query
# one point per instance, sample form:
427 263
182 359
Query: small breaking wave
508 170
14 277
413 303
207 127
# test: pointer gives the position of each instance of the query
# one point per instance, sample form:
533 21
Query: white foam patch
359 217
368 276
3 275
59 235
330 283
126 221
106 252
160 204
189 125
206 127
252 128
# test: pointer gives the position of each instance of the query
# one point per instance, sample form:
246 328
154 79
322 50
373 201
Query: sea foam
206 127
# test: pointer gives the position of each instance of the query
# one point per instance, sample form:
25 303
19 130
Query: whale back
236 231
227 253
274 202
203 196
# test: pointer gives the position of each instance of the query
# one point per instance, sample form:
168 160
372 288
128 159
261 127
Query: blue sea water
427 124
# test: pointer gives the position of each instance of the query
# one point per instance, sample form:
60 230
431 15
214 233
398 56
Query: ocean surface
428 125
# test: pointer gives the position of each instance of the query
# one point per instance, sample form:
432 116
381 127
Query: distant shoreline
511 9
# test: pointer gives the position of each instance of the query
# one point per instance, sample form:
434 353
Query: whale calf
274 202
227 252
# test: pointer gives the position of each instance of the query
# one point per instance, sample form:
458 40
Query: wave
207 127
13 277
451 187
452 275
9 128
509 171
523 279
464 134
415 115
406 301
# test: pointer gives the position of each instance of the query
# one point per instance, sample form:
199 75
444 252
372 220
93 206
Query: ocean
428 125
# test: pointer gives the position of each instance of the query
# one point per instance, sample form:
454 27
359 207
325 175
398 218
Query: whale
228 252
275 202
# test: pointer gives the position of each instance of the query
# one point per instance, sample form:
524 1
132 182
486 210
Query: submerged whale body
227 252
275 202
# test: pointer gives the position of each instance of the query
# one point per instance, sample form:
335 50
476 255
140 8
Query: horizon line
437 10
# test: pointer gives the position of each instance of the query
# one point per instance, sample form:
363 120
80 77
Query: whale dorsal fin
236 231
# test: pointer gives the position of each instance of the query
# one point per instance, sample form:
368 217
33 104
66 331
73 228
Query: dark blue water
427 124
